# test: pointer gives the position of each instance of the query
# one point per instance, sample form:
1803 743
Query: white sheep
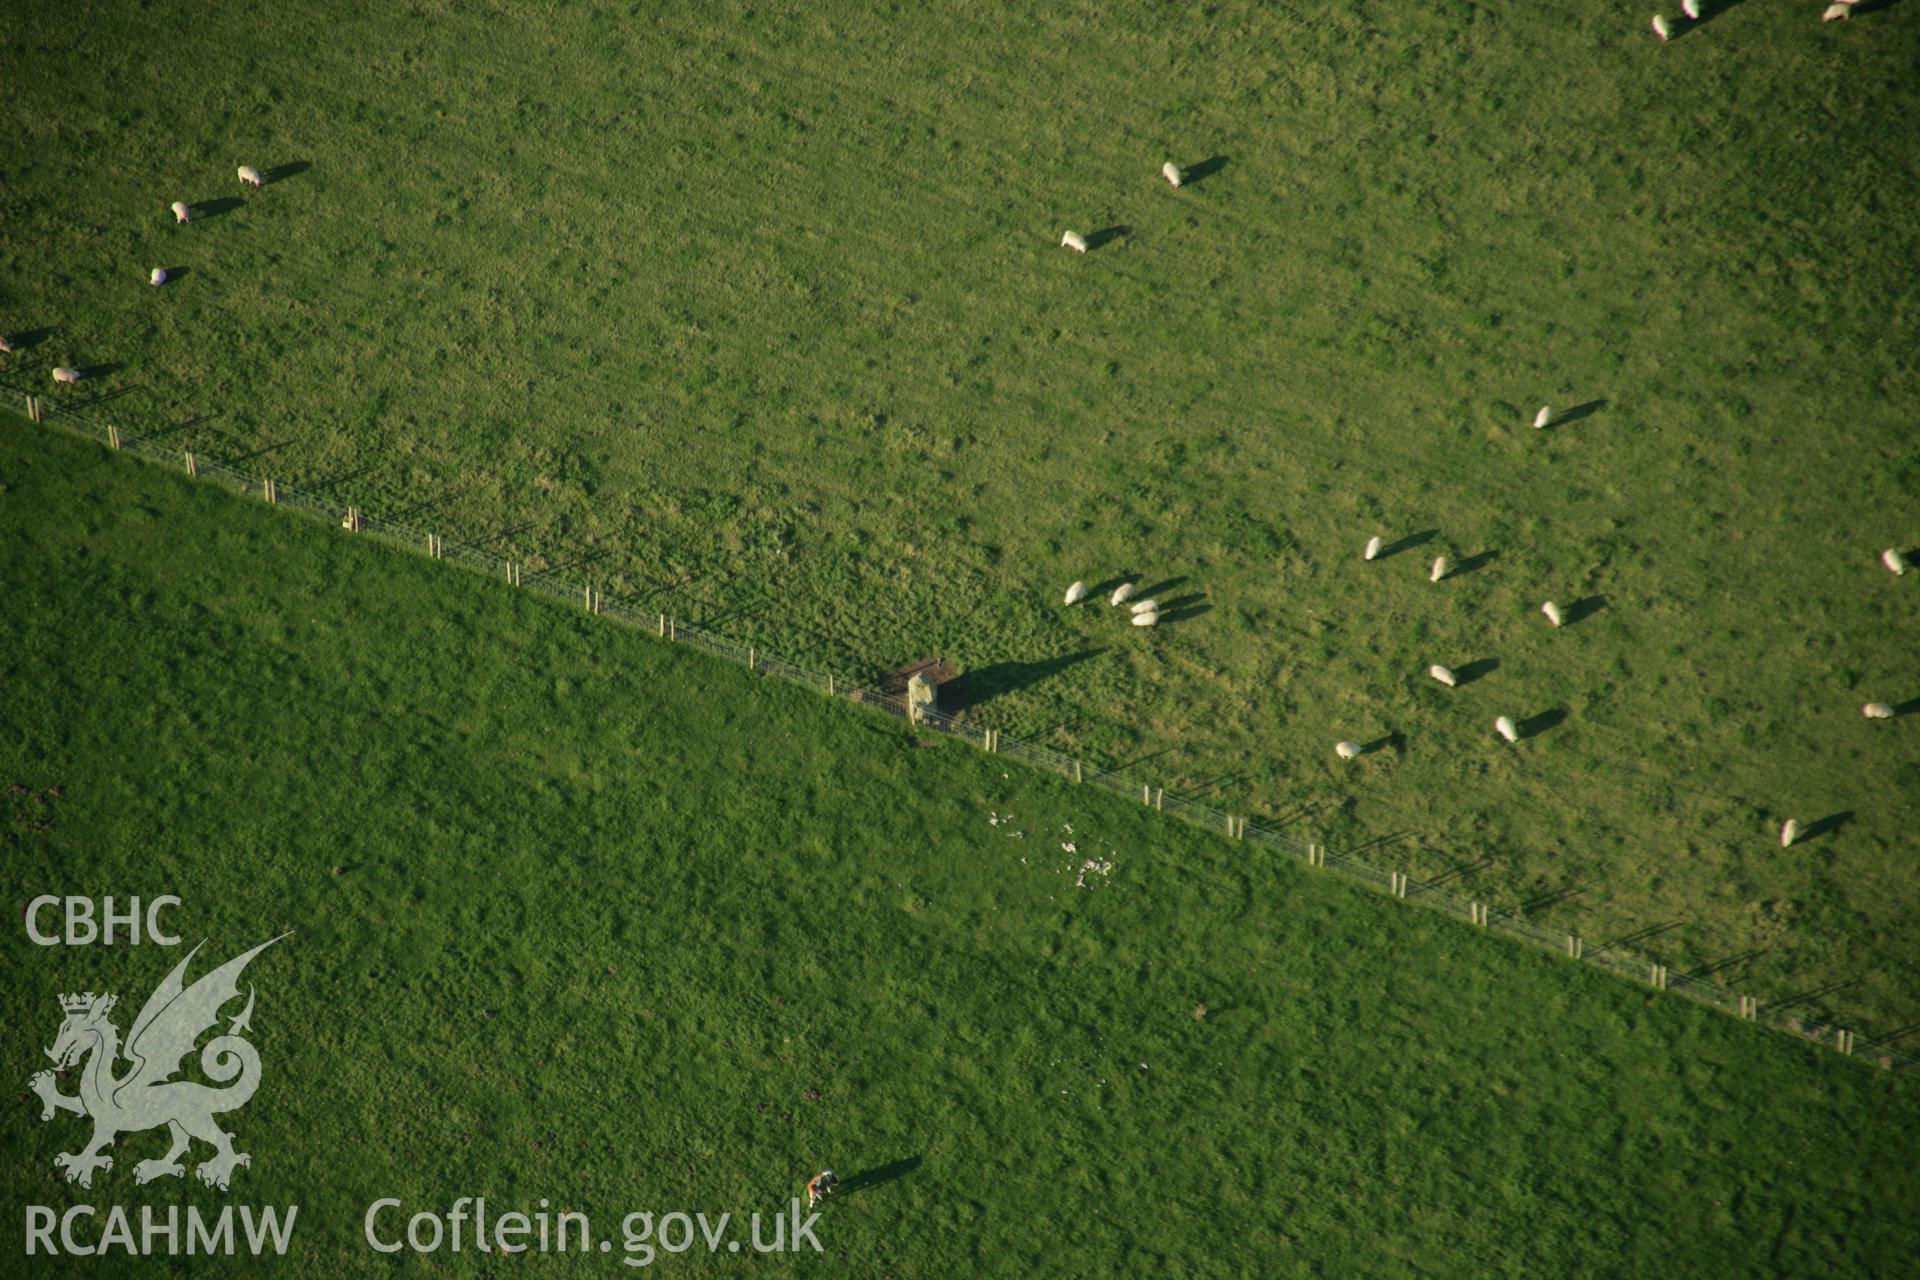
1121 594
1146 619
181 214
1691 8
1506 729
1543 417
1346 750
64 374
1171 172
1660 28
1075 241
1789 832
158 277
1076 593
1440 567
5 346
250 176
1877 711
1145 606
1837 11
1373 548
1894 560
1443 674
1552 611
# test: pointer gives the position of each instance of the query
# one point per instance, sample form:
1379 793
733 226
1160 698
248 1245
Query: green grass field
758 315
581 916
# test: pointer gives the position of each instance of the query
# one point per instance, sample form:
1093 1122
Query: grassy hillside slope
760 314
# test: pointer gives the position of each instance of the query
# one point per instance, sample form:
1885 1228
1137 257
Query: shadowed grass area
584 917
759 312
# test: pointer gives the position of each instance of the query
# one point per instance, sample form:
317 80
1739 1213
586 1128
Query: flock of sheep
1145 613
182 214
1505 726
1693 9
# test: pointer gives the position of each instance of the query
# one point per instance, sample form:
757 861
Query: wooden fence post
192 468
113 435
1076 772
33 409
1657 977
829 684
1159 799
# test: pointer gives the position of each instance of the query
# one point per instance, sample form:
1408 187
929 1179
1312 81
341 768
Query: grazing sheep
5 346
1440 567
1543 417
1121 594
1075 241
1837 11
1373 548
158 278
250 176
1552 611
1691 8
1145 606
1660 28
64 374
1443 674
1506 729
1346 750
1076 593
1893 560
1877 711
1146 619
1171 172
1789 832
181 214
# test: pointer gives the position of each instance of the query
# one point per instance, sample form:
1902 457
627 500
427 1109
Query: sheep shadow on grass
94 372
281 172
176 274
32 338
868 1179
1576 413
214 208
1408 543
1159 588
983 684
1478 669
1534 726
1582 609
1910 707
1181 608
1106 236
1202 171
1832 824
1481 560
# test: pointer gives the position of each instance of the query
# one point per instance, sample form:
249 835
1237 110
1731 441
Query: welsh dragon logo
145 1096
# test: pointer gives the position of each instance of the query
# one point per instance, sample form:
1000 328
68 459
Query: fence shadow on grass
1551 899
1636 937
868 1179
1730 962
983 684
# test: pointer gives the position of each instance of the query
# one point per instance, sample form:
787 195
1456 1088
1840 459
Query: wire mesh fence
1617 959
